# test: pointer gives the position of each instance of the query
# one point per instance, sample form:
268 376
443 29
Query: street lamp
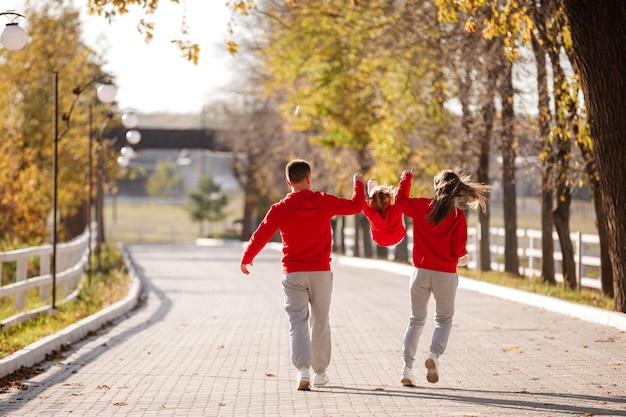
105 93
130 120
13 36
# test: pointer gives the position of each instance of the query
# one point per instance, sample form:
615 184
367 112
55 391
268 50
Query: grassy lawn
155 221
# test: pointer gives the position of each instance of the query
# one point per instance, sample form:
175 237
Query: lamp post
13 36
130 120
106 93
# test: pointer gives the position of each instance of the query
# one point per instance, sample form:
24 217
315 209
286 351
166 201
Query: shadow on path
156 313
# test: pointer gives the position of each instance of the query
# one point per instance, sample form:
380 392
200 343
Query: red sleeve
404 187
266 230
345 207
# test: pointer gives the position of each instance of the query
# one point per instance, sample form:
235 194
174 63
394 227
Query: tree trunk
561 222
606 271
509 194
482 172
401 253
547 194
590 158
547 223
73 226
250 202
364 225
339 241
482 175
598 34
339 237
357 234
563 183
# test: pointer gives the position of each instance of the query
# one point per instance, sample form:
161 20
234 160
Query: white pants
309 348
443 286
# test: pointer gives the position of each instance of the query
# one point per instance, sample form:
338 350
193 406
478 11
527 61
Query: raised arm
404 188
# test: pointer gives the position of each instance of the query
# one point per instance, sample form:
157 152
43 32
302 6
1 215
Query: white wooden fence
71 256
586 253
586 249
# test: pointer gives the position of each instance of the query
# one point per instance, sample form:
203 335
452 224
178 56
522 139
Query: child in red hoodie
386 220
303 219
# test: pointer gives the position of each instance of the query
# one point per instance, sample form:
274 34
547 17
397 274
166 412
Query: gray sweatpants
443 286
309 348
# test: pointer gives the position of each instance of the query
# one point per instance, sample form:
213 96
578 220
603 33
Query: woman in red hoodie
303 218
439 238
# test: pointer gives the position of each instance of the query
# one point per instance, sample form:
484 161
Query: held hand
244 268
407 171
464 260
358 177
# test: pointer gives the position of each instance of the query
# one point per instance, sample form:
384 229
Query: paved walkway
208 341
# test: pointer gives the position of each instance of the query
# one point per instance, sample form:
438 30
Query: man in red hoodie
303 218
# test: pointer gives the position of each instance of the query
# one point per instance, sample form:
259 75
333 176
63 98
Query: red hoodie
388 229
303 218
437 248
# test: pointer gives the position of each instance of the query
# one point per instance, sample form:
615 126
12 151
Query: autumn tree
542 13
364 81
597 32
26 88
596 29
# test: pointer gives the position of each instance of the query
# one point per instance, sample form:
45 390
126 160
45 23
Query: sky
154 77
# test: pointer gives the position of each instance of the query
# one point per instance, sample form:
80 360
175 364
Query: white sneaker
304 380
320 380
432 365
407 377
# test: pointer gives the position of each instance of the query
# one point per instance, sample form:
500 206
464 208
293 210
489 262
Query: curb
36 352
586 313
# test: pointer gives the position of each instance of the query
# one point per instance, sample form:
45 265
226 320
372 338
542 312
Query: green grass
589 297
145 221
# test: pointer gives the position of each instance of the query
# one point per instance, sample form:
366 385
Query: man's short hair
297 171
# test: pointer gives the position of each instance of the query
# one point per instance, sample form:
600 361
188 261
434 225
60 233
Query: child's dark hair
381 197
451 185
297 170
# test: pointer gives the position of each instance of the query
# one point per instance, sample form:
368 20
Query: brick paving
209 341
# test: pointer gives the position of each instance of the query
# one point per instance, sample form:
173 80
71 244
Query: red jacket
303 218
437 248
388 229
